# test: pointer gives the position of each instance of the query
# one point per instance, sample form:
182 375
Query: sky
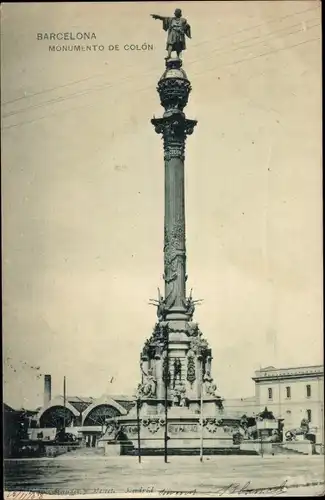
83 191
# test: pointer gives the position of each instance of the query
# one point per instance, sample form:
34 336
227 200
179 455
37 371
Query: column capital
174 128
174 125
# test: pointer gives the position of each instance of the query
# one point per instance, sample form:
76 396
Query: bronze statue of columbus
177 28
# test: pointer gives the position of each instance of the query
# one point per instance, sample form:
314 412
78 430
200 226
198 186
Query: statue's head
178 13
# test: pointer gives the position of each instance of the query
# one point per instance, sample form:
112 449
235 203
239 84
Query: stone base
184 432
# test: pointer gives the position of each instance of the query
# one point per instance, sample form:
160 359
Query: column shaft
174 244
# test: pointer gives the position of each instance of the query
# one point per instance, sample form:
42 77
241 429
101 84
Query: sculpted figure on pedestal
189 305
161 309
210 388
161 306
303 430
179 396
243 422
198 345
177 28
177 371
158 333
304 425
148 388
175 397
146 349
183 398
138 392
192 329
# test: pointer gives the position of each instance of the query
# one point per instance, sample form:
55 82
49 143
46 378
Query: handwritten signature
236 488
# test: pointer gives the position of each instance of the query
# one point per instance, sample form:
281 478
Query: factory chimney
47 389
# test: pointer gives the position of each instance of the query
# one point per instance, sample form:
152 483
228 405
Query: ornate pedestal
184 428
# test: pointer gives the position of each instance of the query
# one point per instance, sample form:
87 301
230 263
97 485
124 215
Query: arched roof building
85 415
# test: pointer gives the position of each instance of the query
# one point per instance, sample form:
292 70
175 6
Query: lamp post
166 381
201 417
64 403
261 426
261 435
322 424
138 401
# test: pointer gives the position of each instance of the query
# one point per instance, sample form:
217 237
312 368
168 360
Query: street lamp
138 403
64 404
166 381
201 415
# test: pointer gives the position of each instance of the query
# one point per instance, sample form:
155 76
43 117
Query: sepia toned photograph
162 255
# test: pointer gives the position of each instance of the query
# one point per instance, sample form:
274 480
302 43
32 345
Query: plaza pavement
217 476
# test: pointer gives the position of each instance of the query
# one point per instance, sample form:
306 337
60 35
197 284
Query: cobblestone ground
217 476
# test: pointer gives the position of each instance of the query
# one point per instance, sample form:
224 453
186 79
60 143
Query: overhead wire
146 88
63 98
102 87
28 96
249 28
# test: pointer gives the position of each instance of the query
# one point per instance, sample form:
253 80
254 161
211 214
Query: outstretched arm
155 16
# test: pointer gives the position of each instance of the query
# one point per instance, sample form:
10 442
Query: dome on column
174 87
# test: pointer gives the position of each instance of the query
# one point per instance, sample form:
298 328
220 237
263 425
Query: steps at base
282 450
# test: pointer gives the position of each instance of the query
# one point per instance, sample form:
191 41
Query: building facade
293 394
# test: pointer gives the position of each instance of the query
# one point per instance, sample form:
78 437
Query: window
308 391
288 392
309 415
270 392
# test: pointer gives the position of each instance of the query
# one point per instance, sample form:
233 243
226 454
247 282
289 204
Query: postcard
162 249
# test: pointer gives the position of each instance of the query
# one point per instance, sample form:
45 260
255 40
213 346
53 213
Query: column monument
176 382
